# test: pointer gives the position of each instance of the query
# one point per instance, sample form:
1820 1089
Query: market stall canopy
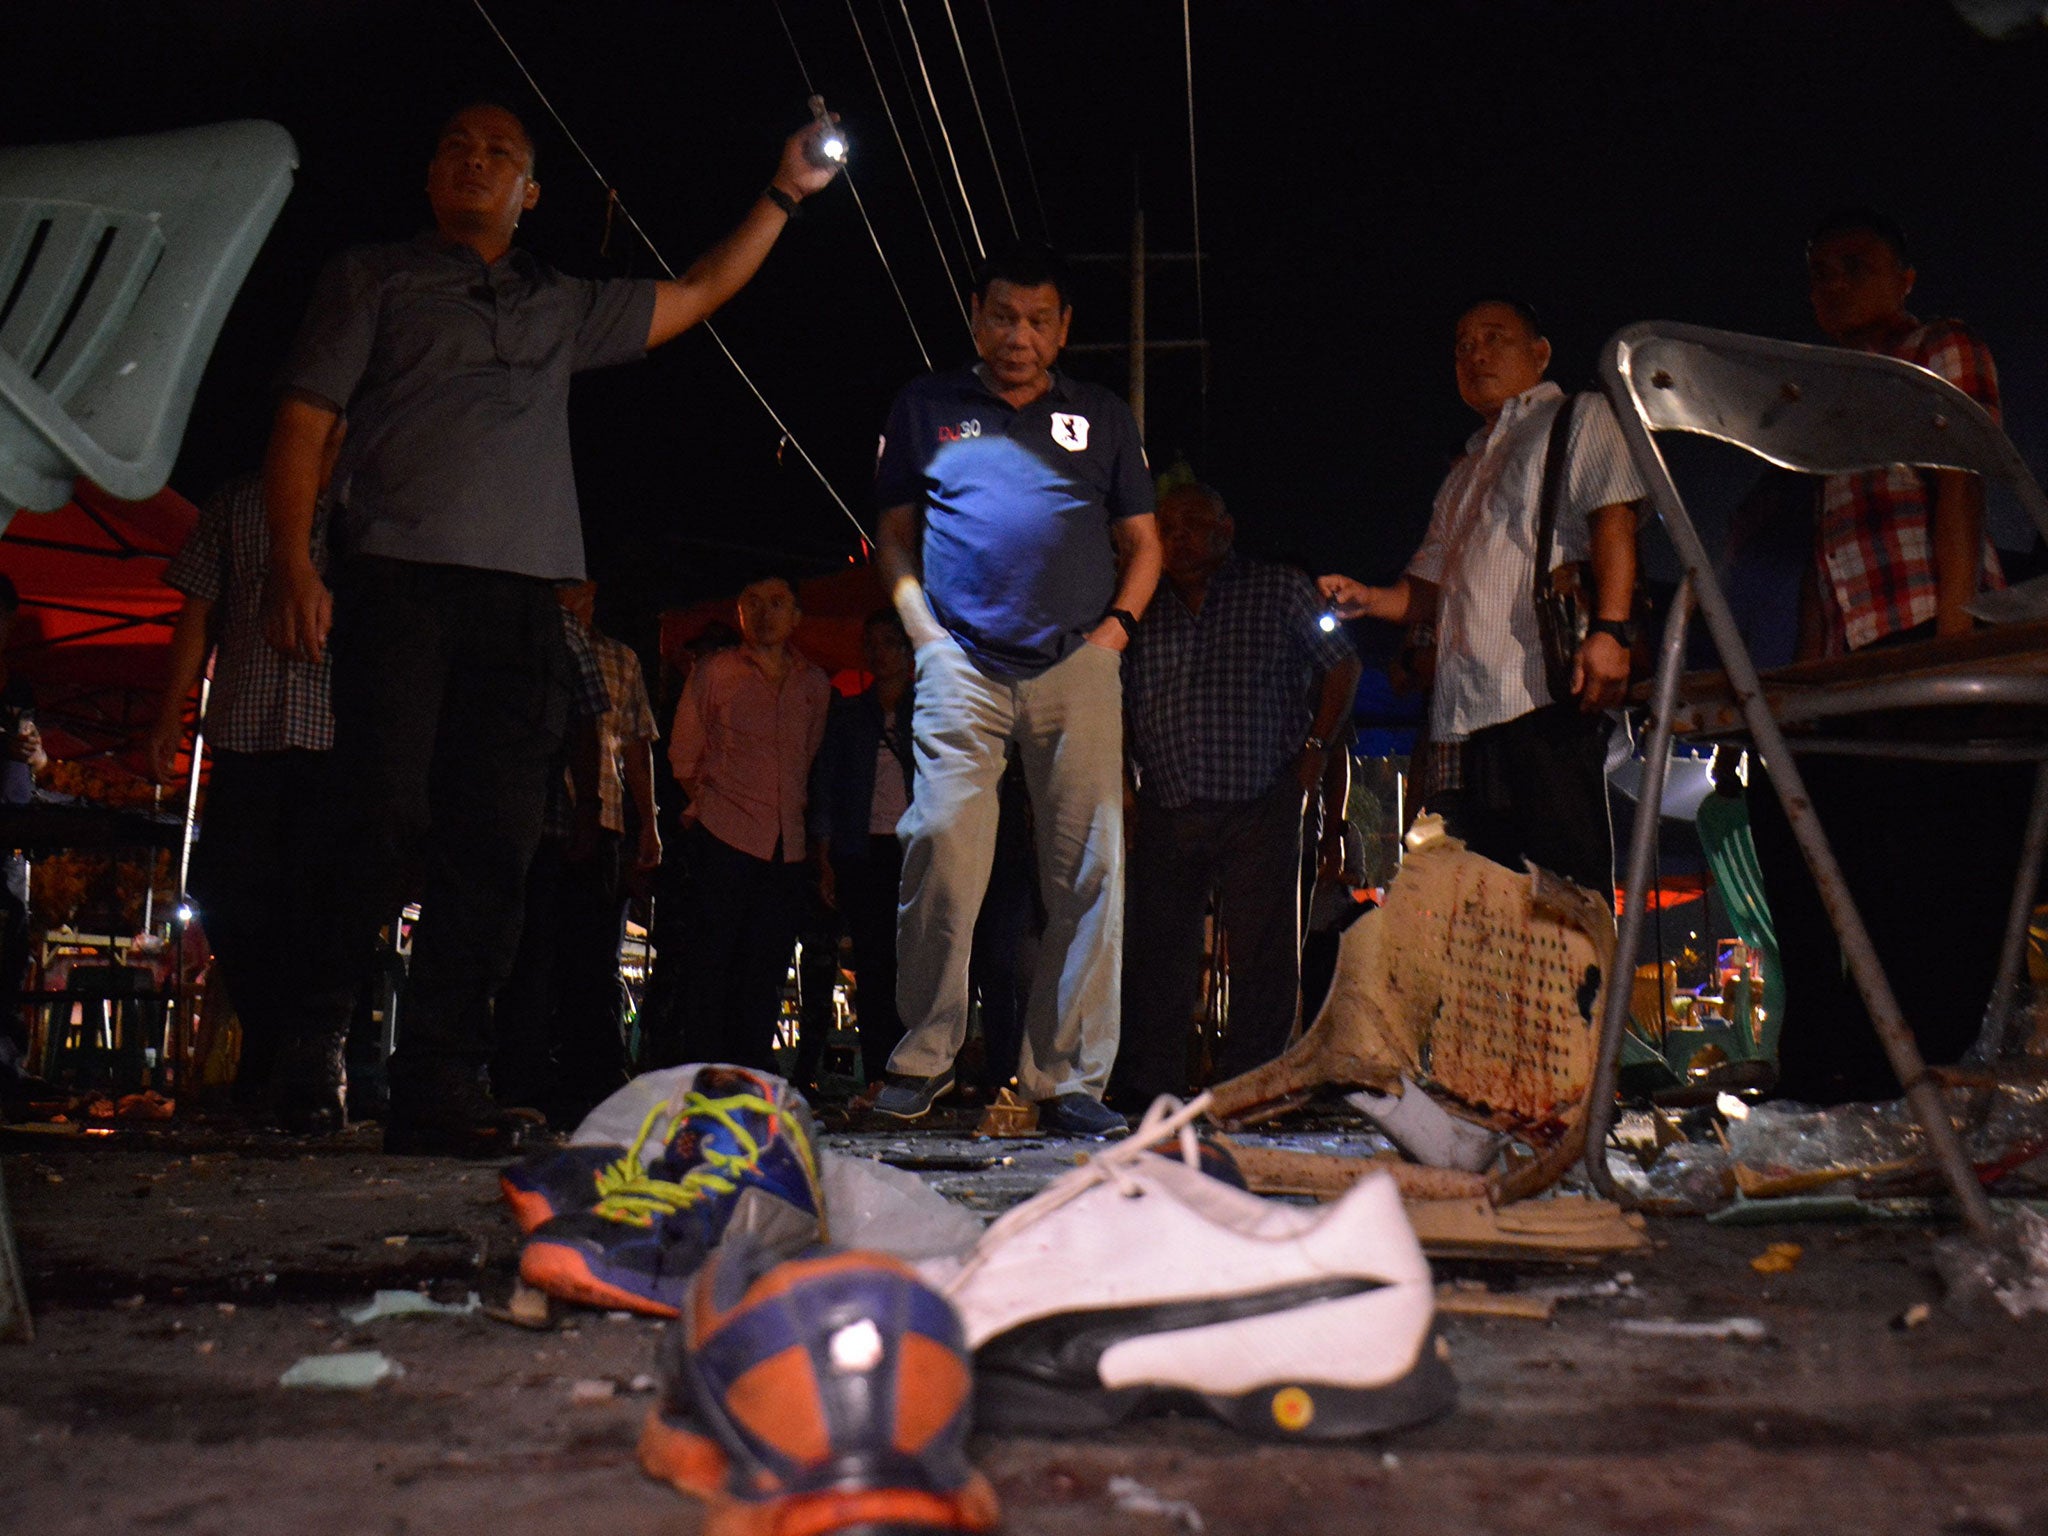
95 614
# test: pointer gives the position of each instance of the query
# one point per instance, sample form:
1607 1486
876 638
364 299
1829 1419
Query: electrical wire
924 135
966 202
988 143
663 262
1017 118
846 175
917 186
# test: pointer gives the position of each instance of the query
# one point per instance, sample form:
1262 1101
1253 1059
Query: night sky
1365 170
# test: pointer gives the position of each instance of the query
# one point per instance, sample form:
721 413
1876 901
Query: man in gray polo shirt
451 355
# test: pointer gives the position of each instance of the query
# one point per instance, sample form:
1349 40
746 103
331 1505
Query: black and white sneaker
1139 1284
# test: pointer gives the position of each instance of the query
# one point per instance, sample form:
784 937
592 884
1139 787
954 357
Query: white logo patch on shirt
1070 432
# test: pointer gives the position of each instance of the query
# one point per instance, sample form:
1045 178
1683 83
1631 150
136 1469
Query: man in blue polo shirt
1018 544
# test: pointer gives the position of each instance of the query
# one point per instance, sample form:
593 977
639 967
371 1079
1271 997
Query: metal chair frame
1819 410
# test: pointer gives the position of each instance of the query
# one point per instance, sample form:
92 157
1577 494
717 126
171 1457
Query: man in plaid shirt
1234 696
271 730
1898 555
1898 552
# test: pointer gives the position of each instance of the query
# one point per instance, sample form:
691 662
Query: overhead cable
662 261
1017 118
966 202
846 175
924 134
973 95
917 186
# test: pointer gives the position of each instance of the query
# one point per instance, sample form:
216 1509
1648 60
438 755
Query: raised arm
722 271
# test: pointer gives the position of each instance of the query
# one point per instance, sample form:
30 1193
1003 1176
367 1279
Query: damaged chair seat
1980 697
118 262
1479 983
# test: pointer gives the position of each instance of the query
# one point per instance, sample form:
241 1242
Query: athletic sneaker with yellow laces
738 1156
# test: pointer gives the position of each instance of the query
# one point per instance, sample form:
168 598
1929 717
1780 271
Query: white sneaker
1137 1282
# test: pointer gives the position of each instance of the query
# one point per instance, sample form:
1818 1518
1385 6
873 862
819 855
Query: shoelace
1167 1119
627 1192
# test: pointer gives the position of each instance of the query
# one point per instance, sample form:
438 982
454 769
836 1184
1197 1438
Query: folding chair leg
2011 960
1642 851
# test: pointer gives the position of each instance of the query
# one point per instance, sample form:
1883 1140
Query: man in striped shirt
1526 774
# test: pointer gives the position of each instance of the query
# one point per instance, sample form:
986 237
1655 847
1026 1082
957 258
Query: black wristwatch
1126 618
1621 631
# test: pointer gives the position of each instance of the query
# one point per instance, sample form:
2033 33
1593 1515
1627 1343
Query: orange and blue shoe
558 1182
734 1155
826 1393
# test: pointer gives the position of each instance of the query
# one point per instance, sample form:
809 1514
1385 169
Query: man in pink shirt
747 726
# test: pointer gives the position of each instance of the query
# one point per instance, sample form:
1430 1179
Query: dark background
1365 170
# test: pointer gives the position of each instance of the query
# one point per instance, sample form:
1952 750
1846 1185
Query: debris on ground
351 1371
1565 1229
2010 1272
1132 1497
1734 1330
1473 1298
409 1304
1009 1115
1778 1259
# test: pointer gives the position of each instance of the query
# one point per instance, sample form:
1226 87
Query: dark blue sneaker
911 1098
558 1182
737 1158
831 1392
1077 1114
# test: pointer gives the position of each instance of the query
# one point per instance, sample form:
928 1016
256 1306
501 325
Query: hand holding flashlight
828 148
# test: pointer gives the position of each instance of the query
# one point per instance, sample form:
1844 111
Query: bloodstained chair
1823 411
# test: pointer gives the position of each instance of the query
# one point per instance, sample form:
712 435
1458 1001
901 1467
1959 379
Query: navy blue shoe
737 1157
1077 1114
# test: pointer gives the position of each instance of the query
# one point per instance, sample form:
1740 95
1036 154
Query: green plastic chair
118 261
1723 822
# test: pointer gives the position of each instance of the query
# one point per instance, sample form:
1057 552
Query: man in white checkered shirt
1525 772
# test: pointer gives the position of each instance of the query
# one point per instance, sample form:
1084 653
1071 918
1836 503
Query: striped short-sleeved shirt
1480 552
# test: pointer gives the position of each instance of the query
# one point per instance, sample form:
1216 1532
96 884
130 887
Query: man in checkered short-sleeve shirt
1234 697
1899 553
270 728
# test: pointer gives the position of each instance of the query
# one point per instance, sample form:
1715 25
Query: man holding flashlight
451 355
1523 774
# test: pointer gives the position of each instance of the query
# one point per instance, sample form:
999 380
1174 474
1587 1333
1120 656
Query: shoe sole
1279 1410
562 1272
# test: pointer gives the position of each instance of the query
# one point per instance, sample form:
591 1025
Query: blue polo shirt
1017 504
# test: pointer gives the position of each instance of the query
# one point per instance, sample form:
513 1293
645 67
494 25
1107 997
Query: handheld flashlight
829 148
1327 623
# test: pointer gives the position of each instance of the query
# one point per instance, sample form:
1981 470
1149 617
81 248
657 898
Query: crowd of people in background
412 698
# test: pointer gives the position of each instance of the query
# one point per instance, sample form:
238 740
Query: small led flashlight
1327 623
832 143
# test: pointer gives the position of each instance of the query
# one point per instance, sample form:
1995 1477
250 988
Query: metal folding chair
118 261
1821 411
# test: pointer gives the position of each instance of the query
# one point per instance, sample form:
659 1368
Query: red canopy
95 614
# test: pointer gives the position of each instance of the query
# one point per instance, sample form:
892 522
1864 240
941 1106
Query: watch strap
1125 617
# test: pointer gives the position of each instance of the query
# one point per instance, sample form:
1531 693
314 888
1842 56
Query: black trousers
1536 789
1929 852
866 914
451 690
265 816
559 1043
741 925
1248 854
